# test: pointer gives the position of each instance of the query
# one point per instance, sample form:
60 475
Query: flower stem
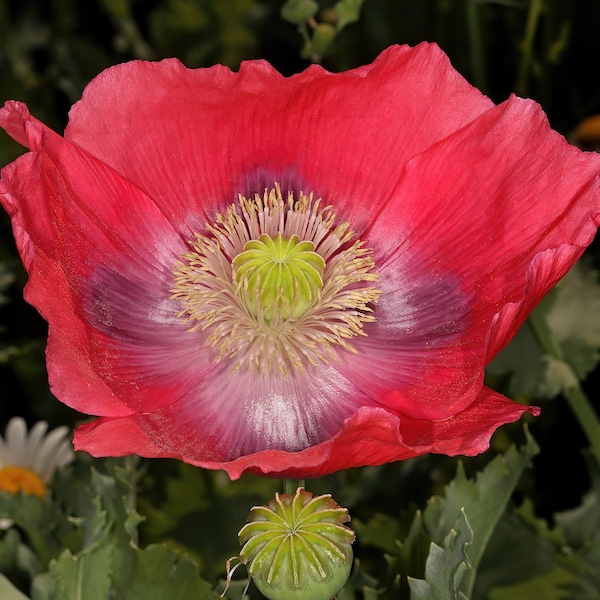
576 398
476 45
533 16
291 485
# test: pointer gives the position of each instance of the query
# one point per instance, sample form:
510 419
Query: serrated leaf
483 501
117 489
85 576
43 587
445 565
9 542
410 557
27 561
93 523
540 527
159 572
528 559
581 527
8 591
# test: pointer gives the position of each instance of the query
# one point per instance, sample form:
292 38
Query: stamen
277 286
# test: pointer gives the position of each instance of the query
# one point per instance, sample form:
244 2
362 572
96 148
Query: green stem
586 415
533 17
476 45
576 398
291 485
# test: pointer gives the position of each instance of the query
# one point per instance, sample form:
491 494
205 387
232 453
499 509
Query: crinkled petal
235 413
471 214
372 436
117 436
238 132
81 221
230 414
547 268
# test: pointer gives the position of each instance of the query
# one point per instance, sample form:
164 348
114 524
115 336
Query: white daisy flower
28 460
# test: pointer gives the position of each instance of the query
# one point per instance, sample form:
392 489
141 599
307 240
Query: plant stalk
533 17
576 398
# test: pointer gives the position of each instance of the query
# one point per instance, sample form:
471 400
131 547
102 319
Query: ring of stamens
317 298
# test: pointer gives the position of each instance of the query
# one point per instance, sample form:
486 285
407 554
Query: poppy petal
372 436
225 128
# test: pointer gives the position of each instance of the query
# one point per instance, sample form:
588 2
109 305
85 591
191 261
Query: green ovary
280 276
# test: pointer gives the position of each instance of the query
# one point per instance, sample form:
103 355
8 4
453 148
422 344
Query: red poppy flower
291 276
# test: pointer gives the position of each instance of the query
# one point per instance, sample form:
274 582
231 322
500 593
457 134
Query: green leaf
410 558
581 527
483 501
570 311
522 547
523 360
299 11
381 531
558 377
445 565
85 576
159 572
347 11
8 591
37 518
526 559
117 490
43 587
322 38
108 562
549 586
573 318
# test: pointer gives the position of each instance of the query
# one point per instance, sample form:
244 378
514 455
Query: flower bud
298 547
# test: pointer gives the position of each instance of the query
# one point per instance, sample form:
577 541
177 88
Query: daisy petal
16 440
51 446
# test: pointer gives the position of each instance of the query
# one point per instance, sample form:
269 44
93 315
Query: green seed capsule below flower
298 547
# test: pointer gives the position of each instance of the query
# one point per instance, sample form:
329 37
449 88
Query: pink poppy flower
291 276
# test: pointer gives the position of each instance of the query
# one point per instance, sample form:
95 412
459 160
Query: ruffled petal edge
371 437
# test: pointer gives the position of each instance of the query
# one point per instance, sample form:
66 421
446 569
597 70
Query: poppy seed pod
298 547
